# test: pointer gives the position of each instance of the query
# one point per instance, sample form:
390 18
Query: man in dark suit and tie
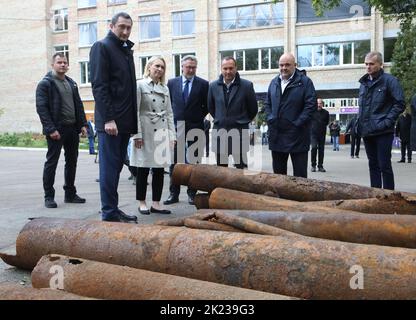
233 105
188 94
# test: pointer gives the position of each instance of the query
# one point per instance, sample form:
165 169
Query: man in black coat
403 132
381 100
113 82
188 94
320 120
413 127
352 129
291 101
62 115
233 105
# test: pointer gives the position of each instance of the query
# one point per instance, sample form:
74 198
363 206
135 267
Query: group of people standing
164 119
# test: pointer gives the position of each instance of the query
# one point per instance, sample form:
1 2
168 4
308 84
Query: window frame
86 69
140 27
181 24
87 7
58 14
65 52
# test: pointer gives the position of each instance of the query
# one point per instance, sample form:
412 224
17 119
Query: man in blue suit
188 94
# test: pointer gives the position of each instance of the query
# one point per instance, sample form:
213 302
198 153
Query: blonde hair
150 63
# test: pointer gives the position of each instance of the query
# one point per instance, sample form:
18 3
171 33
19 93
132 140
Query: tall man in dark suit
113 82
233 105
188 95
291 101
352 128
403 132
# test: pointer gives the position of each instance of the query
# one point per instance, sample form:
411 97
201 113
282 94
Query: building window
183 23
85 72
252 16
142 64
177 62
86 3
60 18
149 27
389 48
87 33
63 49
255 59
332 54
111 2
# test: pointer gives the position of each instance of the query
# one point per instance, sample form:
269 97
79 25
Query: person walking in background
352 129
381 100
155 136
403 132
320 120
252 130
263 130
113 81
91 136
188 94
291 101
413 126
62 115
233 105
334 130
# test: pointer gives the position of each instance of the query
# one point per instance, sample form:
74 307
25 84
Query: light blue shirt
189 85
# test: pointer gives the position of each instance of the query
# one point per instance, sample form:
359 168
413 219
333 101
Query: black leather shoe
50 203
163 211
313 169
409 161
127 217
146 211
112 219
191 200
172 199
321 170
401 161
74 199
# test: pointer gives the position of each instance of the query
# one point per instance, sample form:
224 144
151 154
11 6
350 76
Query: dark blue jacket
241 108
289 115
49 104
113 81
381 103
195 110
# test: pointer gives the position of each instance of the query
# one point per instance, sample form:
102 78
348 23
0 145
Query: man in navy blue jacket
188 94
113 82
381 100
291 102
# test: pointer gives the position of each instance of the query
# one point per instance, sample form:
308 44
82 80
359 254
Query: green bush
9 139
31 140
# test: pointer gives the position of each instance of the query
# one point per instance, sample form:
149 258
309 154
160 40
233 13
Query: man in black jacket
188 94
113 82
291 101
233 105
62 115
320 120
403 132
381 100
352 129
413 126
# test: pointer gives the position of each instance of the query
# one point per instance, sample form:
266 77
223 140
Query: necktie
185 92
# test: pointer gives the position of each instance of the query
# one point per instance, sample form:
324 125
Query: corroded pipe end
181 174
202 201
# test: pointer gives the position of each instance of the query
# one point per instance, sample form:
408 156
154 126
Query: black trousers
318 147
299 162
222 152
70 141
378 149
355 145
405 145
157 183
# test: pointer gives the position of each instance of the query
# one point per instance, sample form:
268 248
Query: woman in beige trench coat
155 136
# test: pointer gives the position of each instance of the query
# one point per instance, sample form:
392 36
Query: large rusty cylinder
107 281
209 225
18 292
180 222
306 268
395 203
385 230
201 201
207 178
238 200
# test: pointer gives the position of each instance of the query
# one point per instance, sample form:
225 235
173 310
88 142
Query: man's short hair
58 54
377 54
189 57
229 58
124 15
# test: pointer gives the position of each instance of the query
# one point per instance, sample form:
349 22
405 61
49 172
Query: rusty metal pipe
306 268
207 178
201 201
106 281
237 200
17 292
209 225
